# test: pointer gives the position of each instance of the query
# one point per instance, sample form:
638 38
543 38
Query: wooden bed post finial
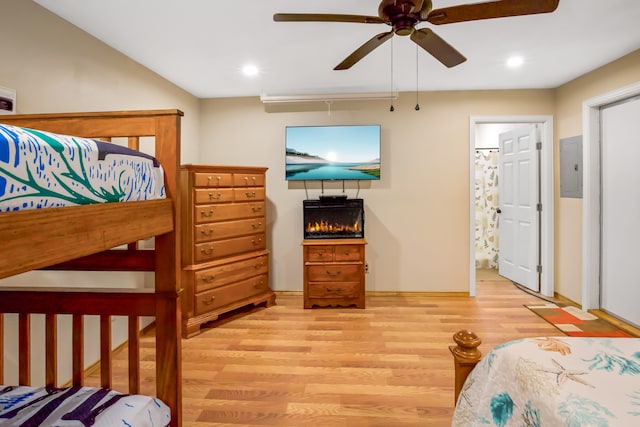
465 356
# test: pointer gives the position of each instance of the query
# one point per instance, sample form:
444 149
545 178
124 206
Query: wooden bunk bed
80 237
547 381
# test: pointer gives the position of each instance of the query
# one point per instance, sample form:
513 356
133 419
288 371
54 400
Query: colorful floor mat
575 322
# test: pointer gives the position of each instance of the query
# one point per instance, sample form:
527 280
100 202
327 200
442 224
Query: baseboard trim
391 293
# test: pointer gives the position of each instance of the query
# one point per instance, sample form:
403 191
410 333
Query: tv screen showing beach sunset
333 152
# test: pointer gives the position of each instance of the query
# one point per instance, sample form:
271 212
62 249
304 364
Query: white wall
416 216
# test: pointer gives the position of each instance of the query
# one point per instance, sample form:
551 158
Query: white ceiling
201 45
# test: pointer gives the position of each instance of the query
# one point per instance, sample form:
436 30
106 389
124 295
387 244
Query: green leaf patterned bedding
42 170
554 381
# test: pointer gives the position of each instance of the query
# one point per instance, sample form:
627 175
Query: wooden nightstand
334 272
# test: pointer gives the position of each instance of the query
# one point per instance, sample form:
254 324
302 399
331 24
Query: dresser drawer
248 194
215 277
334 273
211 213
215 180
225 295
213 195
227 229
248 180
208 251
334 290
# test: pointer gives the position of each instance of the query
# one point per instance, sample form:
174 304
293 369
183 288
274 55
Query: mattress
44 170
554 381
78 406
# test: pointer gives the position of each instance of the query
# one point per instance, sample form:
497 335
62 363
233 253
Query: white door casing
518 221
546 192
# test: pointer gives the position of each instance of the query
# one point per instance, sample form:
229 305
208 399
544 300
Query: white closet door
620 144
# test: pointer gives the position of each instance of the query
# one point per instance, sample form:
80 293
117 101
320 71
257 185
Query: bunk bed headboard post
168 304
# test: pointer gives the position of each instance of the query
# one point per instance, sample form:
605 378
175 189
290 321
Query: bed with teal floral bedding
554 381
41 170
78 406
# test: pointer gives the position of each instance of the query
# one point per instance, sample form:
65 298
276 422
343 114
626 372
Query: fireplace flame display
338 218
326 227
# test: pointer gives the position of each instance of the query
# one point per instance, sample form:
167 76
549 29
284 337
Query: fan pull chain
417 104
391 87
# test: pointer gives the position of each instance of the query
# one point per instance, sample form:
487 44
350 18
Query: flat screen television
347 152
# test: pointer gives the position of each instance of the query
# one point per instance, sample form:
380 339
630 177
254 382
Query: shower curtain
486 202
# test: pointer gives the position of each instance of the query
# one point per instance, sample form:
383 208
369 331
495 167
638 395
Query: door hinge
539 269
539 207
539 145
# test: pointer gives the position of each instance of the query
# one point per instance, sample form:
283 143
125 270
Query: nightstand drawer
320 253
347 253
334 273
334 290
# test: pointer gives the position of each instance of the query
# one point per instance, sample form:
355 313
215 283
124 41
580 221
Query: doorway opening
495 125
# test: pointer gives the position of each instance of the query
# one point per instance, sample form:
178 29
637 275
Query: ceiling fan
404 15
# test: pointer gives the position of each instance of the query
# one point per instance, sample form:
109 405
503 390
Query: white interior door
518 192
620 252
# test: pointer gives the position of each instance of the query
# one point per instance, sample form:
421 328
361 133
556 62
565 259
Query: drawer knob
207 214
257 225
259 265
209 301
256 241
250 194
216 197
259 285
334 290
256 208
207 232
207 251
208 279
337 273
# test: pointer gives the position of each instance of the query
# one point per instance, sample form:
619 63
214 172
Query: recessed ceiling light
515 61
250 70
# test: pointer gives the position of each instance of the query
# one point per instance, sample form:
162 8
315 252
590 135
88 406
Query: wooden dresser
225 262
334 272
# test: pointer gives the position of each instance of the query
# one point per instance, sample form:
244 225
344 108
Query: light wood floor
387 365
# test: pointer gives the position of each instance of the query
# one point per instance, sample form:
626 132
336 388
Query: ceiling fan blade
417 6
436 46
326 17
489 10
364 50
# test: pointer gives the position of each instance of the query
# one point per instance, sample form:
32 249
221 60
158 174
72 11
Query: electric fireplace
333 217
